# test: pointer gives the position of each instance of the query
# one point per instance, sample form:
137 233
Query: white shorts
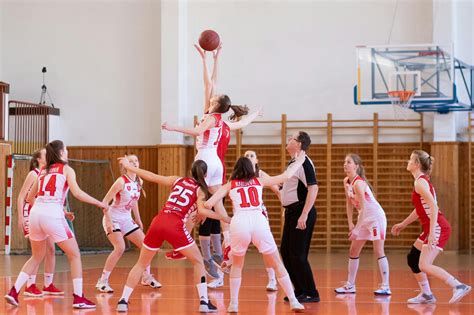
121 223
370 228
251 227
42 227
215 167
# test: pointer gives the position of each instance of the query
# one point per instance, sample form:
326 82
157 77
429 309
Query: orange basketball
209 40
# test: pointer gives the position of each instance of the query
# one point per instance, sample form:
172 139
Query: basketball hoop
401 101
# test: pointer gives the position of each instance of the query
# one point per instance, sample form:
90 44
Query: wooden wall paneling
445 179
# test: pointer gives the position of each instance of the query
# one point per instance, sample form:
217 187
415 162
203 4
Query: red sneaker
12 297
82 302
227 262
33 290
174 256
52 290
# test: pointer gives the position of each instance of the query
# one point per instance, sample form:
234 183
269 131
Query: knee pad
215 226
413 259
205 228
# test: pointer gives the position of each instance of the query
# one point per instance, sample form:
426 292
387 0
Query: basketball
209 40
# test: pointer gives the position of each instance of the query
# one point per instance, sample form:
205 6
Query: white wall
453 21
103 60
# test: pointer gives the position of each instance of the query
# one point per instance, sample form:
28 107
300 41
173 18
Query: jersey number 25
180 196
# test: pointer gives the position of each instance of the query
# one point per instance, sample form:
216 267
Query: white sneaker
233 308
296 306
104 287
422 298
347 288
383 290
459 292
272 285
150 281
207 307
122 306
217 283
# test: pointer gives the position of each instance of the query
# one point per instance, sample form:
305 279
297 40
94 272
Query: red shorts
167 227
442 232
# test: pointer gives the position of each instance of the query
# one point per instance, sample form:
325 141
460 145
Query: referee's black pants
294 250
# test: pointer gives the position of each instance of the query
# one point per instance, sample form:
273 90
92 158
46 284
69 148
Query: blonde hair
425 160
138 180
360 169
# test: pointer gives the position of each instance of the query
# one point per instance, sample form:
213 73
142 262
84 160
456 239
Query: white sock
271 273
147 271
31 280
384 270
105 275
205 248
285 283
234 290
21 280
453 282
216 244
425 287
226 235
127 291
48 279
202 291
352 268
77 286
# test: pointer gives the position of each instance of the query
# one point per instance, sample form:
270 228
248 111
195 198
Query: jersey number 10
251 194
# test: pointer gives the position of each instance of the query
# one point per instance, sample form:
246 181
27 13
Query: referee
297 197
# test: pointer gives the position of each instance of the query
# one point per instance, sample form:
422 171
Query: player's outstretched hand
123 161
201 51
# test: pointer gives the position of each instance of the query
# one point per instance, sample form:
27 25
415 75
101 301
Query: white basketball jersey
210 138
127 197
371 203
53 186
246 195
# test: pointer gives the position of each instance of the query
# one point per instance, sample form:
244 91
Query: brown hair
34 159
53 153
225 105
360 169
243 169
198 172
304 139
425 160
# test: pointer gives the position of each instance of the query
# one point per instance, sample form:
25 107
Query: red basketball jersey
183 197
422 209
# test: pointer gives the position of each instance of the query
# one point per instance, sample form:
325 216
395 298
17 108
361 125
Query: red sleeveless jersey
422 209
183 197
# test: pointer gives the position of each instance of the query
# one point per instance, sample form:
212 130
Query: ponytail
53 153
198 172
239 111
34 159
425 160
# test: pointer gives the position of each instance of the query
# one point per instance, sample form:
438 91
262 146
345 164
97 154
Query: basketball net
401 101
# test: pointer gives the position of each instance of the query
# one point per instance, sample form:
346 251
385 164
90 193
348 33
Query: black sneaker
122 306
308 299
207 307
286 299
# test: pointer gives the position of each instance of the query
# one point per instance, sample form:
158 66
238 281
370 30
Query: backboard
427 69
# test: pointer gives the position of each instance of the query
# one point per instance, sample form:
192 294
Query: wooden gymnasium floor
178 296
